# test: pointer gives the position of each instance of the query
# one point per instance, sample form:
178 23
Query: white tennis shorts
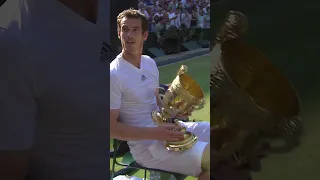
187 162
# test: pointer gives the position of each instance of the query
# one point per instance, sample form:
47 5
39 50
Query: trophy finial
183 69
234 27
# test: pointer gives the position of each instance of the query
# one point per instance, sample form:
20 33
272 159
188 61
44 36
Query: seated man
134 82
123 147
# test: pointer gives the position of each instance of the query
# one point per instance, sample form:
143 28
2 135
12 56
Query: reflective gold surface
183 95
253 101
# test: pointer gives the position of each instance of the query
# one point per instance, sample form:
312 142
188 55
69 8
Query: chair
132 166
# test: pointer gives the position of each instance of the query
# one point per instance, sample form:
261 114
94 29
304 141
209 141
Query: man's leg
202 131
205 164
204 176
205 161
192 162
187 162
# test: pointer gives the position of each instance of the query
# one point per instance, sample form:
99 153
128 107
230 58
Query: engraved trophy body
183 94
253 104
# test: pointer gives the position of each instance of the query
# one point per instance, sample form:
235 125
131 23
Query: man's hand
167 132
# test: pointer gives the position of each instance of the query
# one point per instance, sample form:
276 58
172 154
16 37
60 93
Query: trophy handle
200 105
292 131
183 69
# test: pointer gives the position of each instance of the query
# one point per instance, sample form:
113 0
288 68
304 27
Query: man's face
131 35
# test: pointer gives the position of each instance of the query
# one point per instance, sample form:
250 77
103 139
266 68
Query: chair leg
145 174
113 167
114 159
122 149
180 177
125 171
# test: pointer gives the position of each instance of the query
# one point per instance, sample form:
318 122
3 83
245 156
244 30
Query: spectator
178 18
180 6
192 5
150 17
157 15
200 19
165 16
194 16
162 3
150 11
156 18
143 10
173 5
172 16
140 4
148 2
160 27
207 18
184 3
186 18
155 6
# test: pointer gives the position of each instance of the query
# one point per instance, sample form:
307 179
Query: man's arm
125 132
118 130
17 108
129 133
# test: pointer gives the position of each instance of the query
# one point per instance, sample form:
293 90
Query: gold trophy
183 94
252 105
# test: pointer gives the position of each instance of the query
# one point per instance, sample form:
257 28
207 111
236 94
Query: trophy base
189 138
157 118
178 146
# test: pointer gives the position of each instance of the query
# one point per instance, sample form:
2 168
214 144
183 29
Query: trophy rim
259 106
183 146
195 83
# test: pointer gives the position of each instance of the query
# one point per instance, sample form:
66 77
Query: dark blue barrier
174 59
201 36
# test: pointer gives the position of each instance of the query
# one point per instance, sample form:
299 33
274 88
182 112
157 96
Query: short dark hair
133 13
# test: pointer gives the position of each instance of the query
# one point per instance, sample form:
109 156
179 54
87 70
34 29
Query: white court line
185 60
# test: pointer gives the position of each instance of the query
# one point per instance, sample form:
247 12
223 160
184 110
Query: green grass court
198 69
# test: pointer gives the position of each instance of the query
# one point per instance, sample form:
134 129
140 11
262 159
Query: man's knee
205 161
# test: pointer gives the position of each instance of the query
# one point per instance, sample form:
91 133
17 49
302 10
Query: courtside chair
132 166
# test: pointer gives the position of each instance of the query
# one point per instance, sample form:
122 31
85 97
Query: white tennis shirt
132 90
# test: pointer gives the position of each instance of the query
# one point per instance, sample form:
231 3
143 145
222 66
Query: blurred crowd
171 15
165 13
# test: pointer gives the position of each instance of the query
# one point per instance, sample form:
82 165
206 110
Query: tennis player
134 79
